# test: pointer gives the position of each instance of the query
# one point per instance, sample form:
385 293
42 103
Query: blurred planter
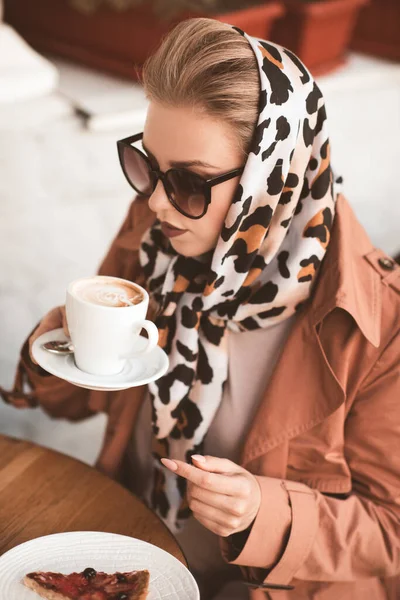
319 32
117 42
378 29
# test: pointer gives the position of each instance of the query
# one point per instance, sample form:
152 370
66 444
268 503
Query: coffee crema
106 292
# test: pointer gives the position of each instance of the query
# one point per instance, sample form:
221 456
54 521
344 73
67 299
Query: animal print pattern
262 270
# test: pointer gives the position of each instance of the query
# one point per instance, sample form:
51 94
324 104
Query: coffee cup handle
152 340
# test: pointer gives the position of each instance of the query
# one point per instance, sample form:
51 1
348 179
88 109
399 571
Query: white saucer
137 371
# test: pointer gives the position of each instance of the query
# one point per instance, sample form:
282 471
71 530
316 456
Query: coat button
387 263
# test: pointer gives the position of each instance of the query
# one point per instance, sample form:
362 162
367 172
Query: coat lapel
294 403
304 388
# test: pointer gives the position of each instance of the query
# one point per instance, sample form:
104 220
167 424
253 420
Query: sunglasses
188 192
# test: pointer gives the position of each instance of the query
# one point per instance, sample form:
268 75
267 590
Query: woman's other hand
223 496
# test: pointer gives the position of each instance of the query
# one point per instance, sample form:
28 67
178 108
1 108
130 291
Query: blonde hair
205 64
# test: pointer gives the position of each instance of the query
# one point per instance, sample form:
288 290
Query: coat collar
346 279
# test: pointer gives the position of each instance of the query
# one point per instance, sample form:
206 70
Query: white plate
109 552
137 371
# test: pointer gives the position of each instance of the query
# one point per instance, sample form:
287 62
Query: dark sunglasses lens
137 170
187 192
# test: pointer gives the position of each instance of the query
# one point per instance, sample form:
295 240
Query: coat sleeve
303 534
60 399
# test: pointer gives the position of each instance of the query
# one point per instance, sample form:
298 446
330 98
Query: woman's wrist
237 541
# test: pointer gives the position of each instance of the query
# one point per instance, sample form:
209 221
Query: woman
277 424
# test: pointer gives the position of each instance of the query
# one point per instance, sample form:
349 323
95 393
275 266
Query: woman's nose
158 200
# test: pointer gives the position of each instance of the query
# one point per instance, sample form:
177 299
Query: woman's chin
188 248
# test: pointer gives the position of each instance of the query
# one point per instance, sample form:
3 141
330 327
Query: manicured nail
199 458
170 464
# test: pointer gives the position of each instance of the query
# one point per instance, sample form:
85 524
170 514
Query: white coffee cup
105 316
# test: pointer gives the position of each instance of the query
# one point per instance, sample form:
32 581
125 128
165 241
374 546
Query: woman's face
184 138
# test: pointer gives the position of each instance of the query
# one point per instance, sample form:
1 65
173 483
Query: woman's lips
170 231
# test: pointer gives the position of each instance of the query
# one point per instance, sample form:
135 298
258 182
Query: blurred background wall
72 92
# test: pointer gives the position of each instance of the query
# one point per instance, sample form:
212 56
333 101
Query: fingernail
199 458
170 464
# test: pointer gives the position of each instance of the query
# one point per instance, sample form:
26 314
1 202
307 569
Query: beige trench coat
325 444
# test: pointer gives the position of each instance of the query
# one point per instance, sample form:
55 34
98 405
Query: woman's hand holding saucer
54 319
223 496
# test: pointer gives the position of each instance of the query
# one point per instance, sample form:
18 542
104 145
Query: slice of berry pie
89 585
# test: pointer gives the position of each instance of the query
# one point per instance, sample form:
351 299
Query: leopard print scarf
273 241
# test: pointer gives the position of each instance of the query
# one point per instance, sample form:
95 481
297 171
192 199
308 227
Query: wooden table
44 492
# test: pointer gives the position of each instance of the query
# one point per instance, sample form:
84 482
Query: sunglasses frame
159 175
